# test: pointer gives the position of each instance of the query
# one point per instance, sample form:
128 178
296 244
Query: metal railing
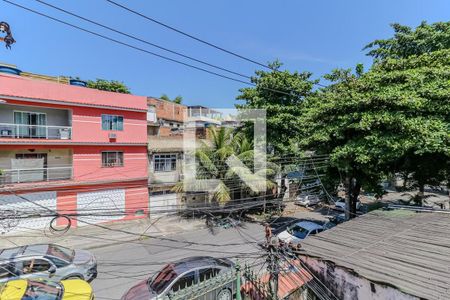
206 289
35 131
35 174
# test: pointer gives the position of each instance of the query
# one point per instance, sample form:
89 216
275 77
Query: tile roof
406 249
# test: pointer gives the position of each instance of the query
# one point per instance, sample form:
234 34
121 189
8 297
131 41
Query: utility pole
273 266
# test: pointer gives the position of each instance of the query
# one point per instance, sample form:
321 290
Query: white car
339 204
307 200
299 231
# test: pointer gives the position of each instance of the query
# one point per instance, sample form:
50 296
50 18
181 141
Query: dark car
182 274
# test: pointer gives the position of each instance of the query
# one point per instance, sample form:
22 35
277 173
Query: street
124 265
121 266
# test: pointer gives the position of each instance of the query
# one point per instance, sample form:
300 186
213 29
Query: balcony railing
35 131
35 175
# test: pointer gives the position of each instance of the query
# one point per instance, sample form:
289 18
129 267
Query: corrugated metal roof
405 249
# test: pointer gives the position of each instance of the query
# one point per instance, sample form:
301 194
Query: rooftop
14 87
401 248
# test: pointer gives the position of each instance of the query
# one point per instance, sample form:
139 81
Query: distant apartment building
70 149
167 125
165 128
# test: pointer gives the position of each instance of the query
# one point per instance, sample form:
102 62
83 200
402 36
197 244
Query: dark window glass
35 266
163 279
206 274
165 162
186 281
8 270
112 159
112 122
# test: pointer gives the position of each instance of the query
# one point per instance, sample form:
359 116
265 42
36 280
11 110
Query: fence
35 174
35 131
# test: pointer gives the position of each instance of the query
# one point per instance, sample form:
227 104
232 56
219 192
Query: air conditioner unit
112 136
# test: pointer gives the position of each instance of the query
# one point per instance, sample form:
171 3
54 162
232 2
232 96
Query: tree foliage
177 99
281 94
212 157
406 41
109 85
396 113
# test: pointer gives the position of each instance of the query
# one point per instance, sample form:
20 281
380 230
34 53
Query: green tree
177 99
406 41
108 85
212 156
397 112
281 94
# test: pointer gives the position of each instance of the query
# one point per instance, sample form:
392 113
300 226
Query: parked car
26 289
300 231
182 274
339 204
307 200
46 261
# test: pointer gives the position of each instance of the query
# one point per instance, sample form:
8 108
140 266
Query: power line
126 44
188 35
144 50
141 40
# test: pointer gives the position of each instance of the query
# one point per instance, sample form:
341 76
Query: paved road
122 266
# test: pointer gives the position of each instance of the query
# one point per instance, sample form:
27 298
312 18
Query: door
30 124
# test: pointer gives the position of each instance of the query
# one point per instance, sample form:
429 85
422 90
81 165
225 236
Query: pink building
71 149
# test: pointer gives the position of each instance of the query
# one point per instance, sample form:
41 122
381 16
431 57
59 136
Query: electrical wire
142 40
188 35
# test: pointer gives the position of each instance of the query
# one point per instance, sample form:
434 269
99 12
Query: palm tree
222 144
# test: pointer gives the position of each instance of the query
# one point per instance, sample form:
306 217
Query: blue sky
316 36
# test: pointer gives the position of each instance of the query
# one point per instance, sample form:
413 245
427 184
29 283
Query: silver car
307 200
46 261
182 274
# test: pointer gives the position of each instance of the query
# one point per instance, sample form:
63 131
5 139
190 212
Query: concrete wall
168 110
55 117
347 285
87 163
164 177
55 157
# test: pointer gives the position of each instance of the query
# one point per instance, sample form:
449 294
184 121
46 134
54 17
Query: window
165 162
112 159
163 279
206 274
186 281
112 122
35 266
8 270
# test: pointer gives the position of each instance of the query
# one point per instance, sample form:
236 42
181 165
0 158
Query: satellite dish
8 38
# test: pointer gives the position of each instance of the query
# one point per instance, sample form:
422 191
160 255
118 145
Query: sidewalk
90 236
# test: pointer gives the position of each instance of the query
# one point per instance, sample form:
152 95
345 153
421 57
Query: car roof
195 262
308 225
29 250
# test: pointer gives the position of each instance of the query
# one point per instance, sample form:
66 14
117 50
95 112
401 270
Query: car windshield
61 252
162 280
42 291
298 231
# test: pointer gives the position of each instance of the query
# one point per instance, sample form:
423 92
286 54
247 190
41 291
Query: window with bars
112 159
165 162
112 122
